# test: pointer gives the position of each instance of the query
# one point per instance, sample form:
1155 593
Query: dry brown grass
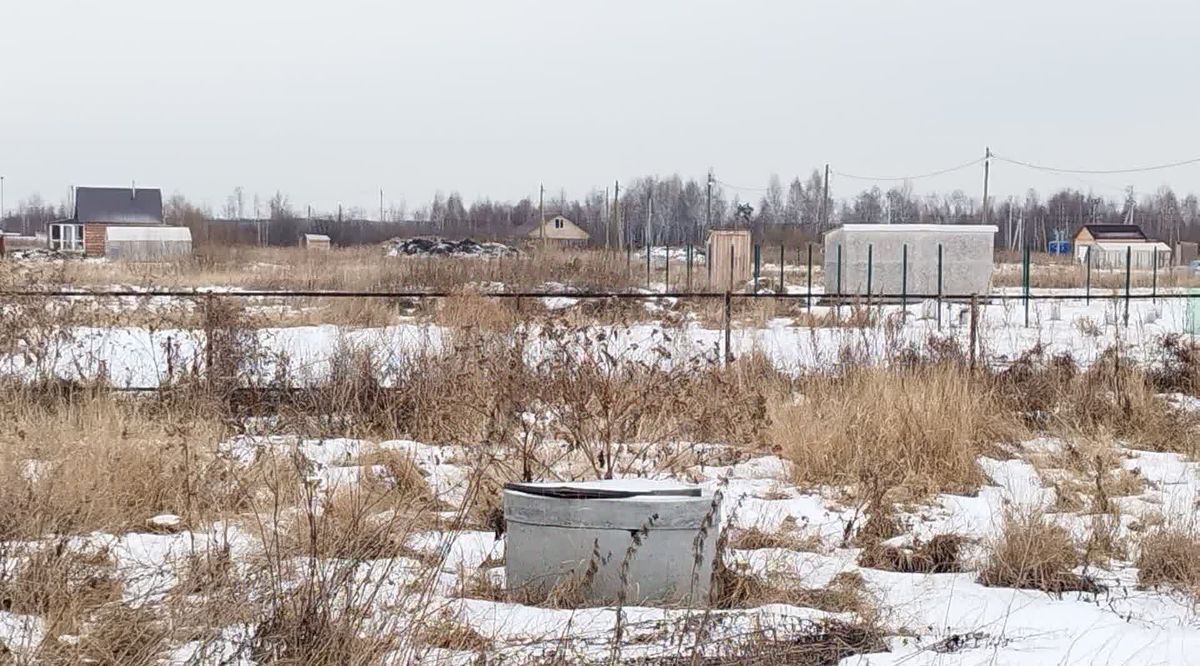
60 583
1086 474
757 539
1063 273
1170 558
361 268
921 428
117 635
846 593
445 632
103 462
938 555
1033 553
1114 399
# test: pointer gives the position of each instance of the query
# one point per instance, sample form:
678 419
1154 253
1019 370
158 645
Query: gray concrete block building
966 251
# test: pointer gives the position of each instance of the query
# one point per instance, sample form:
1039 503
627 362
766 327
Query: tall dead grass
920 428
1034 553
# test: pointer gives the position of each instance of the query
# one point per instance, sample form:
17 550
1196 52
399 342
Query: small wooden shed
314 242
728 257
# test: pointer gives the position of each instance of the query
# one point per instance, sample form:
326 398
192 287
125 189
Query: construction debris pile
441 247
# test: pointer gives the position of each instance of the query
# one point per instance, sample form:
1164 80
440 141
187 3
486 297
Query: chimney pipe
133 189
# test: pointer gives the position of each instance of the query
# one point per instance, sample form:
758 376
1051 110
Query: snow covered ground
929 618
139 356
945 618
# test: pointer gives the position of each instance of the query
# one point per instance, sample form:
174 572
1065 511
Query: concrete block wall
967 258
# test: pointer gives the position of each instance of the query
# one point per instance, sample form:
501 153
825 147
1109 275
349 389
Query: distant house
1112 246
121 223
555 228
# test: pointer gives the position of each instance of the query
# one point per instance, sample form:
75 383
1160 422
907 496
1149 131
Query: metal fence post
730 287
1128 278
904 277
1025 284
939 288
1154 279
728 326
209 332
688 282
757 264
870 271
667 285
808 294
1087 282
649 254
839 280
973 335
781 289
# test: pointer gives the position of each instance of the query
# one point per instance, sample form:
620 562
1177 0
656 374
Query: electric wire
931 174
1098 172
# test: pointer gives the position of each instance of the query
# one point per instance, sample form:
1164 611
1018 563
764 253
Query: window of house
66 237
558 224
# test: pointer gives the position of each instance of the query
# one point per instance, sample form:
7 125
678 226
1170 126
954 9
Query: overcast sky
331 100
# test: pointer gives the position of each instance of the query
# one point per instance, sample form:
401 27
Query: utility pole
1 200
542 213
987 172
825 200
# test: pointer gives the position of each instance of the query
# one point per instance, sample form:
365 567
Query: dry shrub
1086 474
920 427
61 584
1105 542
1178 371
603 395
756 539
938 555
467 310
1033 553
1116 397
1170 558
358 523
817 643
735 588
443 631
118 635
312 629
1035 384
395 476
1112 399
107 463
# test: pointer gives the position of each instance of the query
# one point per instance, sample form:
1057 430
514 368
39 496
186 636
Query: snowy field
931 618
143 357
926 618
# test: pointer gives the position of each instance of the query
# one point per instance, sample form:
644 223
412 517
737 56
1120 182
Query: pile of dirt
441 247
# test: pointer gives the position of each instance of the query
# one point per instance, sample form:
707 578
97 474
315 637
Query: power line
1099 172
736 187
931 174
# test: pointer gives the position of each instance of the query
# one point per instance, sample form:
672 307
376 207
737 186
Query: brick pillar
93 240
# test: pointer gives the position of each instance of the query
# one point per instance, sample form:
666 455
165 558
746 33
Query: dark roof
1115 232
118 205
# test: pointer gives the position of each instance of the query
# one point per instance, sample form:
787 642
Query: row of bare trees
668 210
